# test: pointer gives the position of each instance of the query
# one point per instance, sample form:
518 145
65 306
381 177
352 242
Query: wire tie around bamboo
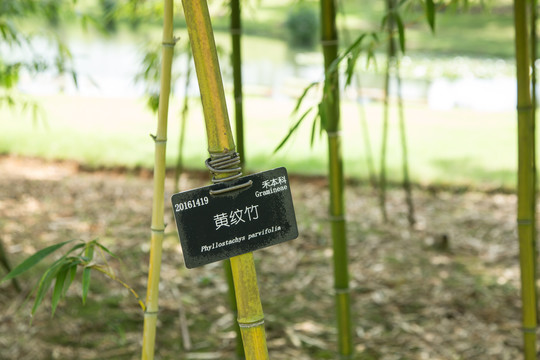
251 325
225 163
529 330
331 42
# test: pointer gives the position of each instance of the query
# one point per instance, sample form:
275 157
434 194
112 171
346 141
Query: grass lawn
452 147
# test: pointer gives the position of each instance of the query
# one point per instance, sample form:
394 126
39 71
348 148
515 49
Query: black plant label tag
217 227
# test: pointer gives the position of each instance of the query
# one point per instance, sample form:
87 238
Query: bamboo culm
158 223
220 141
525 186
336 183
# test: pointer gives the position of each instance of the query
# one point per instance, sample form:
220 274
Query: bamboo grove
240 271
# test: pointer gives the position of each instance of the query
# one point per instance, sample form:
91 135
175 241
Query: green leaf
101 246
89 253
301 98
323 114
293 129
33 260
430 14
85 283
401 32
72 273
46 281
314 129
59 287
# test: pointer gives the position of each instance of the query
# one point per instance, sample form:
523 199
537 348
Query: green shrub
302 26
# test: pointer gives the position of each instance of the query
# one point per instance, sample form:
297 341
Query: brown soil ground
412 297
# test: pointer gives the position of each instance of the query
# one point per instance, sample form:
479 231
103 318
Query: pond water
107 68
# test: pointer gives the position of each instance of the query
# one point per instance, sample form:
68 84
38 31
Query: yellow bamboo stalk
220 140
158 223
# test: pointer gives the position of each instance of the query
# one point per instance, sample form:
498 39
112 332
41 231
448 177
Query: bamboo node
170 44
157 231
529 330
251 325
236 31
336 218
332 42
524 108
152 313
524 221
342 291
158 141
333 134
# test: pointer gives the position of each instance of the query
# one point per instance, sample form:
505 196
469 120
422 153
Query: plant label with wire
219 226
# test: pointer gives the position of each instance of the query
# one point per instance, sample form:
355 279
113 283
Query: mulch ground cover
446 289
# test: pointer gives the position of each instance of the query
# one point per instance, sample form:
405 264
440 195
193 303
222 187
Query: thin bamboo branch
365 134
183 120
329 41
384 141
404 151
158 222
220 140
526 217
236 35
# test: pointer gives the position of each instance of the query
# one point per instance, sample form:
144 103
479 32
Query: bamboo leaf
102 247
59 287
323 114
45 282
293 129
89 254
401 32
314 129
301 98
33 260
72 273
85 284
430 14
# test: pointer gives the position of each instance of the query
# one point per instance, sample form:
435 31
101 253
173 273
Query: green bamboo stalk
534 39
158 223
236 33
330 43
220 140
525 187
183 120
404 151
